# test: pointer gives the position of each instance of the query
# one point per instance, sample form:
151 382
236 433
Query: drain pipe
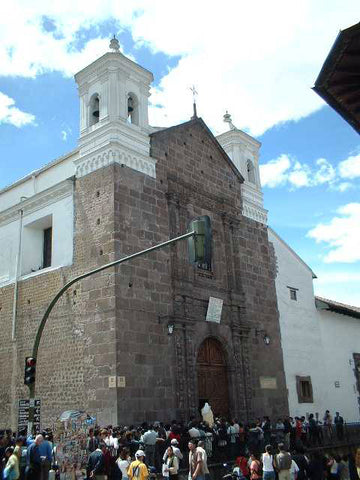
17 274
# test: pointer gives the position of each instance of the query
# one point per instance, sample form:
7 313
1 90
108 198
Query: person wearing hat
137 469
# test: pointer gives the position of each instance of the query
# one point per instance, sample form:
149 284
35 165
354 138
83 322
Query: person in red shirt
242 463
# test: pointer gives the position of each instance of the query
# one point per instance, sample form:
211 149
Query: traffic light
200 243
30 370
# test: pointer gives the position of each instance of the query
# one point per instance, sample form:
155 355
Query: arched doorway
212 377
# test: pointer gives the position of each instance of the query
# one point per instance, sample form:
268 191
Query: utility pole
199 238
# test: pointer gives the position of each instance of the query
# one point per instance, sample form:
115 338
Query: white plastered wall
300 330
315 343
61 219
341 338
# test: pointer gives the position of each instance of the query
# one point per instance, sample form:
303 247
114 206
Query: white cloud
326 172
341 234
258 59
13 115
285 170
350 168
300 175
340 286
343 186
274 173
336 278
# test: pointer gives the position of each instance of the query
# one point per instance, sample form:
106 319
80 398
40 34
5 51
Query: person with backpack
137 469
255 468
283 463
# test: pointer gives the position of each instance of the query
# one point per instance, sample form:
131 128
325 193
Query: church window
94 109
304 389
47 249
293 293
132 109
37 245
250 171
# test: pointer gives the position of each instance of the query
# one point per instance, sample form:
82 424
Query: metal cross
194 92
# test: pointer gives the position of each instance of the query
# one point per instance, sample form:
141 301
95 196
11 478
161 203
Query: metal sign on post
23 416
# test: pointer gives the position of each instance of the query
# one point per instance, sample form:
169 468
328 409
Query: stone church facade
133 343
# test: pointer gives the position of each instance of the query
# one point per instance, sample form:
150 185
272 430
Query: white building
320 341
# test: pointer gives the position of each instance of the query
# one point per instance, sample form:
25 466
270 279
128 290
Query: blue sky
261 71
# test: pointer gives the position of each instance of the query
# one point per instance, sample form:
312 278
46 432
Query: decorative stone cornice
255 212
115 154
38 201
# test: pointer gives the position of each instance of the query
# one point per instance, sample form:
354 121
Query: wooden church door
212 377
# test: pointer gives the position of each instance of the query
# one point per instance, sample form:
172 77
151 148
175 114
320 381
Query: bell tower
114 125
244 152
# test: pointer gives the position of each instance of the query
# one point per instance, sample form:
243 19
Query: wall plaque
269 383
214 310
112 382
121 382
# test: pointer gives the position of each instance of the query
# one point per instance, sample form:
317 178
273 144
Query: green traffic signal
200 243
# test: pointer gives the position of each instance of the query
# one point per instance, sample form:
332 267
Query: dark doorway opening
212 377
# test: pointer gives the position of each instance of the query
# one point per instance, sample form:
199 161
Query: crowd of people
135 452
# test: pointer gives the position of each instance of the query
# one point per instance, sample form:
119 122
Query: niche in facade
132 109
94 109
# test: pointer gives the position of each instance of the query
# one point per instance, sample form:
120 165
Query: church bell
130 105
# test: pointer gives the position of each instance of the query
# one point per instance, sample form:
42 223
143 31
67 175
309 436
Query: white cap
140 453
174 442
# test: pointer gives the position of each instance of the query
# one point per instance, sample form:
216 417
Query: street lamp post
196 234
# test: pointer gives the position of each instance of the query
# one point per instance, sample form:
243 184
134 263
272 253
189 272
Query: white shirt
293 470
176 451
112 442
149 437
194 432
267 461
231 431
123 465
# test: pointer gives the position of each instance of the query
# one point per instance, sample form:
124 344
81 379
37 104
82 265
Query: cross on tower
194 92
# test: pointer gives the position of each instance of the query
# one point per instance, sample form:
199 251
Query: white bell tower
244 152
114 125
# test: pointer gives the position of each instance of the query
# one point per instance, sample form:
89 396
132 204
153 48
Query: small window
304 390
293 293
47 249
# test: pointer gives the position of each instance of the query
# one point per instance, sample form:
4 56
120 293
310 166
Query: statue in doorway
207 414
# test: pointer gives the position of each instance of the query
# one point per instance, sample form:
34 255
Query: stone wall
200 180
114 324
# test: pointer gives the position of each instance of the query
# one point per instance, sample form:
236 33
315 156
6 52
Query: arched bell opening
94 109
212 377
132 109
